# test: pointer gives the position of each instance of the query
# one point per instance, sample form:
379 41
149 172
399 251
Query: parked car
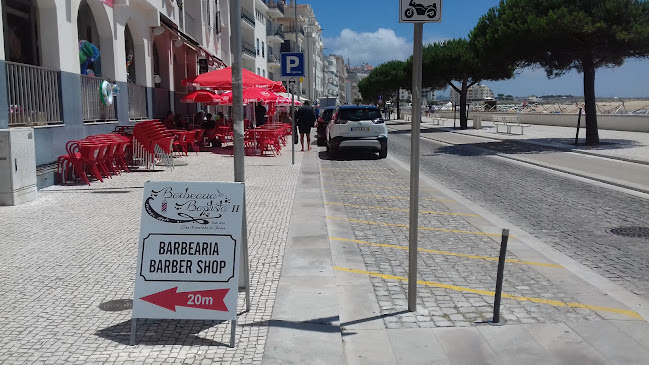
357 126
321 125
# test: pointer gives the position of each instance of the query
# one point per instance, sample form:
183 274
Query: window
263 73
258 71
257 46
263 47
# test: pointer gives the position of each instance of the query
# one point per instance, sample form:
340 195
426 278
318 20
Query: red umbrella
222 80
202 96
251 95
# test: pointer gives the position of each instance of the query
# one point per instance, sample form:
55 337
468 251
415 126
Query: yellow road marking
401 210
555 303
393 197
422 228
375 186
488 258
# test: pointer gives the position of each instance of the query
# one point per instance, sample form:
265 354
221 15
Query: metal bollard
499 279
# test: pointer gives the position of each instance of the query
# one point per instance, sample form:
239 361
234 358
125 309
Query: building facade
57 53
302 33
476 92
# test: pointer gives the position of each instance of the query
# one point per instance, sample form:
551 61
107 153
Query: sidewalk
327 278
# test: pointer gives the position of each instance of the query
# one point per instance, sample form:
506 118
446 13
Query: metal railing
32 95
248 17
136 101
291 29
276 4
248 49
91 106
277 31
161 102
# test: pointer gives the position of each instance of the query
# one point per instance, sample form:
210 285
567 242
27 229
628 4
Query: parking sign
292 64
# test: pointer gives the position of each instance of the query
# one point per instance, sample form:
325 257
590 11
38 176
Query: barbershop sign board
188 254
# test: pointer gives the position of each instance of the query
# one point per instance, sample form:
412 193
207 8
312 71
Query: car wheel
383 153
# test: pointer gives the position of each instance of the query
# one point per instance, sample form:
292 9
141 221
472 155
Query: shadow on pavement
537 146
325 324
349 155
162 332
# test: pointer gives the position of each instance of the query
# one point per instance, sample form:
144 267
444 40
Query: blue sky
369 31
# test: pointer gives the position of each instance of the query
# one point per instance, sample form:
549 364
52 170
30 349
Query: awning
212 60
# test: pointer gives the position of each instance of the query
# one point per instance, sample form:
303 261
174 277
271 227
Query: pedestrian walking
305 118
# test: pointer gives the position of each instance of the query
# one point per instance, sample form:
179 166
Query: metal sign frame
190 252
283 64
420 11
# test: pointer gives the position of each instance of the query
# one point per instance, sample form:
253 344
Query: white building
475 93
145 47
304 27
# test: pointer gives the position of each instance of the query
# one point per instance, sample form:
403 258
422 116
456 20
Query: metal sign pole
237 113
414 167
293 136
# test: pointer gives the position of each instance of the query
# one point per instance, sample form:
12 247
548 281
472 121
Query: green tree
384 80
564 35
456 60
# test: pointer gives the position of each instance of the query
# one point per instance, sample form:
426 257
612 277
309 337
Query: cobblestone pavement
375 201
572 216
75 247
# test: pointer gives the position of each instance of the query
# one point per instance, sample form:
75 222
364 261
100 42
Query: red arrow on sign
204 299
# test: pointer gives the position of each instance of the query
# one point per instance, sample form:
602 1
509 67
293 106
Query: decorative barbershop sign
188 255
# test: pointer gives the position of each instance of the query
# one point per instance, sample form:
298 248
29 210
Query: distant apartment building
475 93
428 95
353 76
309 40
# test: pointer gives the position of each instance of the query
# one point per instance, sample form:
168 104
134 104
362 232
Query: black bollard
499 278
578 125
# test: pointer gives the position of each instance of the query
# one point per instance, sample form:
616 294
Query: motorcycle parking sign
420 11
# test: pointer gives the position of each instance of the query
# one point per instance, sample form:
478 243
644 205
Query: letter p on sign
292 64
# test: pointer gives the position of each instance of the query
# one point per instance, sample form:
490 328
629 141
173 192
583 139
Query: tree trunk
463 118
592 134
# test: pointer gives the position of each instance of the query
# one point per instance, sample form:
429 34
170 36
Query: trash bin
477 122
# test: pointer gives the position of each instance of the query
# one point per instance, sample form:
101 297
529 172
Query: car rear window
359 114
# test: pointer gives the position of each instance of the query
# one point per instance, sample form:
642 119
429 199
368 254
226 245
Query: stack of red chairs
152 142
99 156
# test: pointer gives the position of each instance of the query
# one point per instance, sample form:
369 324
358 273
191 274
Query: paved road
570 215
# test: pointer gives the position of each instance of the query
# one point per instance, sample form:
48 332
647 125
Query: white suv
357 126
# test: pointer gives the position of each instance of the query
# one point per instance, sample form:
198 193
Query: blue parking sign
292 64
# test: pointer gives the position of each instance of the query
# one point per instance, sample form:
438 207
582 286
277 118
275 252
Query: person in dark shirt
209 126
168 121
260 114
305 119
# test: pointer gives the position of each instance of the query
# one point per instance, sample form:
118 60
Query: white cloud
374 48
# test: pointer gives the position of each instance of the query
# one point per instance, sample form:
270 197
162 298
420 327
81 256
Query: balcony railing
32 95
136 102
291 29
248 17
276 4
277 31
91 106
248 49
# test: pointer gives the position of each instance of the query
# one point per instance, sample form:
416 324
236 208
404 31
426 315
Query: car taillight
340 121
378 121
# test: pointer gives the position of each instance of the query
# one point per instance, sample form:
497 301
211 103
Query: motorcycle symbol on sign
430 10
